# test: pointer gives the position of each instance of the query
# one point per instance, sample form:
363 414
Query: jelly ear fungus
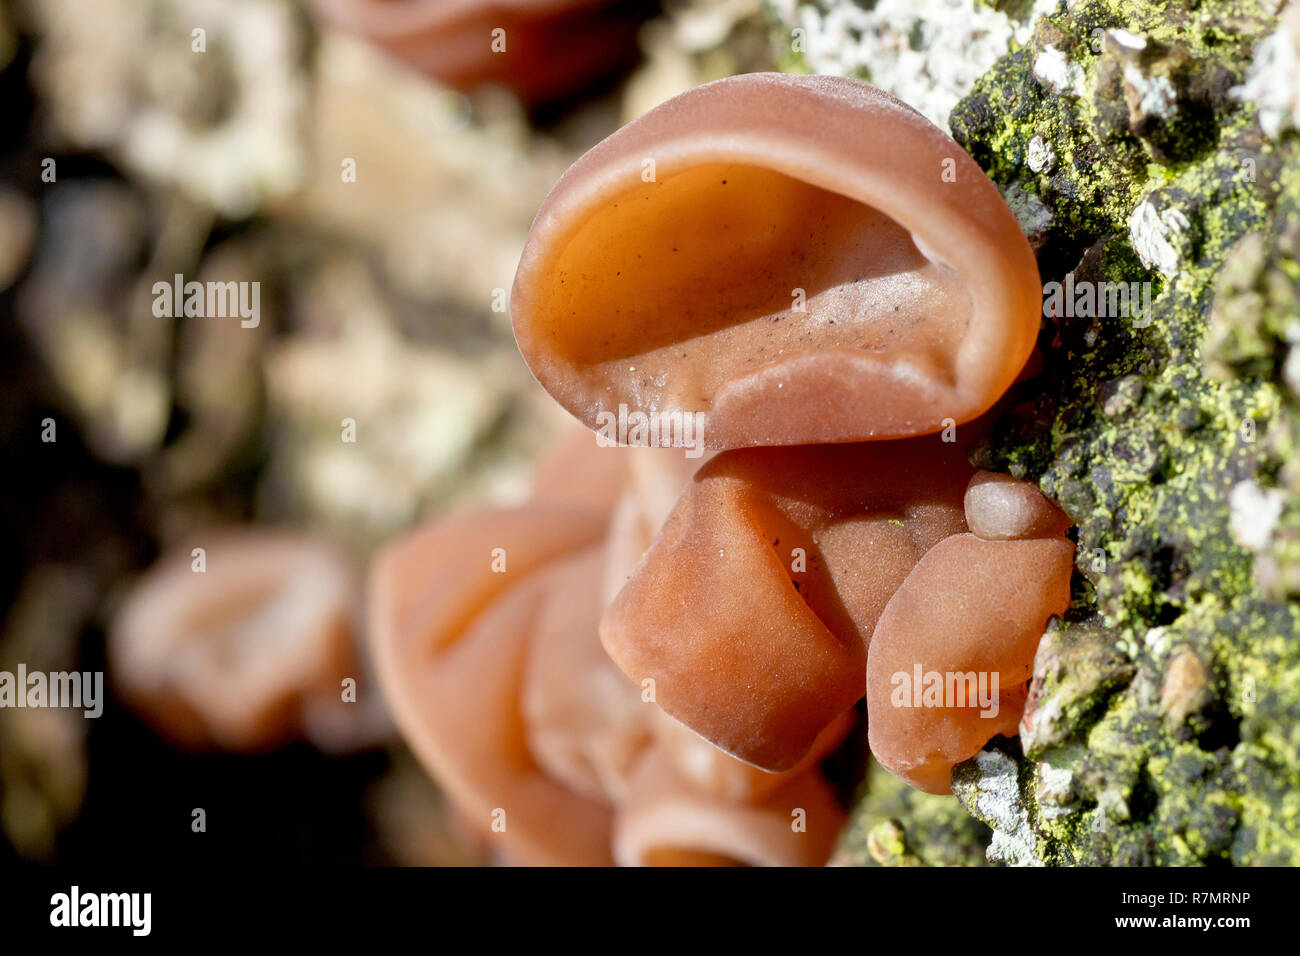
800 259
544 50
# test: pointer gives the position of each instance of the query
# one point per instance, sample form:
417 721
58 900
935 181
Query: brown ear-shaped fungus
579 472
752 610
656 478
548 48
450 638
667 822
970 610
1000 507
586 724
713 771
795 258
231 647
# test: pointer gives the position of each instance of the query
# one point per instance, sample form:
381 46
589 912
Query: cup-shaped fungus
241 642
503 690
777 260
454 606
712 771
668 822
949 665
542 49
586 724
486 635
752 611
678 799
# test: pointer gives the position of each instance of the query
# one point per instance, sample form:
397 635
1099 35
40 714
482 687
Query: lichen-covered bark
1164 722
894 825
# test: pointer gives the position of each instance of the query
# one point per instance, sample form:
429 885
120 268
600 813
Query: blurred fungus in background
246 641
543 50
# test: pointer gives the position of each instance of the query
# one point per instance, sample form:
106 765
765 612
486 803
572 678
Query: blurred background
377 184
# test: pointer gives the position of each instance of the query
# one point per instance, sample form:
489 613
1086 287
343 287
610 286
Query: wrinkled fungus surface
859 574
485 627
753 609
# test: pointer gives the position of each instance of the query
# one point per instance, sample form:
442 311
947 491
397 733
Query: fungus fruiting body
788 582
542 49
586 723
242 642
753 608
451 638
797 259
818 280
485 629
950 662
667 822
953 652
999 507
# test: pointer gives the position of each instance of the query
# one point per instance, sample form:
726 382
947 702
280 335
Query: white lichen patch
1037 725
996 800
1155 94
1056 795
1291 367
1031 213
1254 514
216 109
1058 73
1040 156
1157 641
1158 236
1114 804
928 53
1130 41
1273 80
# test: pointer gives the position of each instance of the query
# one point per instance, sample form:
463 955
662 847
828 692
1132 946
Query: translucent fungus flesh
586 723
239 651
542 49
451 638
784 256
752 611
953 651
667 822
999 507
